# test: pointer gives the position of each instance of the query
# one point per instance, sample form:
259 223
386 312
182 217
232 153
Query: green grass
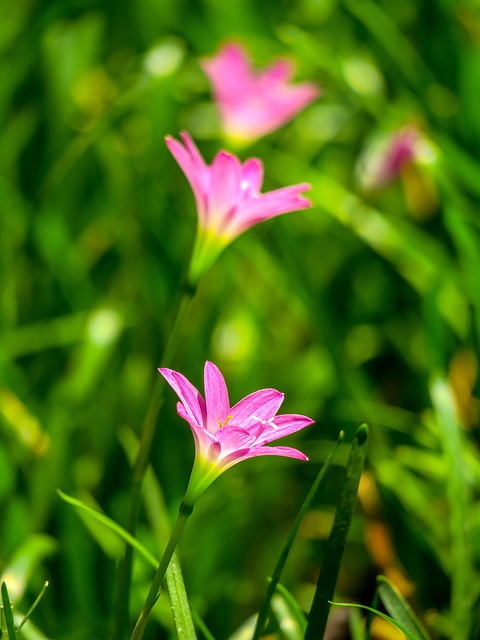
364 308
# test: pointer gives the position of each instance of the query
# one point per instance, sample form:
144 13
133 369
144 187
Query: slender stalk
141 463
153 593
34 606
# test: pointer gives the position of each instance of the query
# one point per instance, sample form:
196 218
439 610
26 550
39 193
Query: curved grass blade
101 517
277 572
337 539
8 614
178 597
295 617
34 606
287 624
395 623
398 608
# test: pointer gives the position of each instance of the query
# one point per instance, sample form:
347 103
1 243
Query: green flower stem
153 593
187 294
141 462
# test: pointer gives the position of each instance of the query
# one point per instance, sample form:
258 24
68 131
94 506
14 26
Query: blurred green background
365 308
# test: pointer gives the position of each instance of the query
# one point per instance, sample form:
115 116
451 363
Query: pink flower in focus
252 103
228 199
226 435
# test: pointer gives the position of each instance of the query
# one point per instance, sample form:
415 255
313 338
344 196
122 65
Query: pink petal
192 149
205 443
271 204
225 188
193 166
400 152
190 397
283 426
258 406
292 99
278 73
287 452
229 72
252 177
281 102
233 439
216 396
254 103
253 452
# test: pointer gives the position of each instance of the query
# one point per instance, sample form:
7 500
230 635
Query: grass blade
395 623
460 509
179 600
297 621
176 587
101 517
398 608
337 539
8 614
264 609
34 606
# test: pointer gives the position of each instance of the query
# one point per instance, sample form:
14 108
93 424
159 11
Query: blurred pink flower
386 158
226 435
228 199
252 103
401 151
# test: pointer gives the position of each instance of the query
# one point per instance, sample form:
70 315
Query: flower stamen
268 422
225 422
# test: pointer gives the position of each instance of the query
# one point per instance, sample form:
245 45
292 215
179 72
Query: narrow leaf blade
398 608
337 539
34 605
101 517
7 612
460 507
297 616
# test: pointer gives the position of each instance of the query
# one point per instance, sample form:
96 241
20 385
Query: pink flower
226 435
387 157
228 199
253 103
400 152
